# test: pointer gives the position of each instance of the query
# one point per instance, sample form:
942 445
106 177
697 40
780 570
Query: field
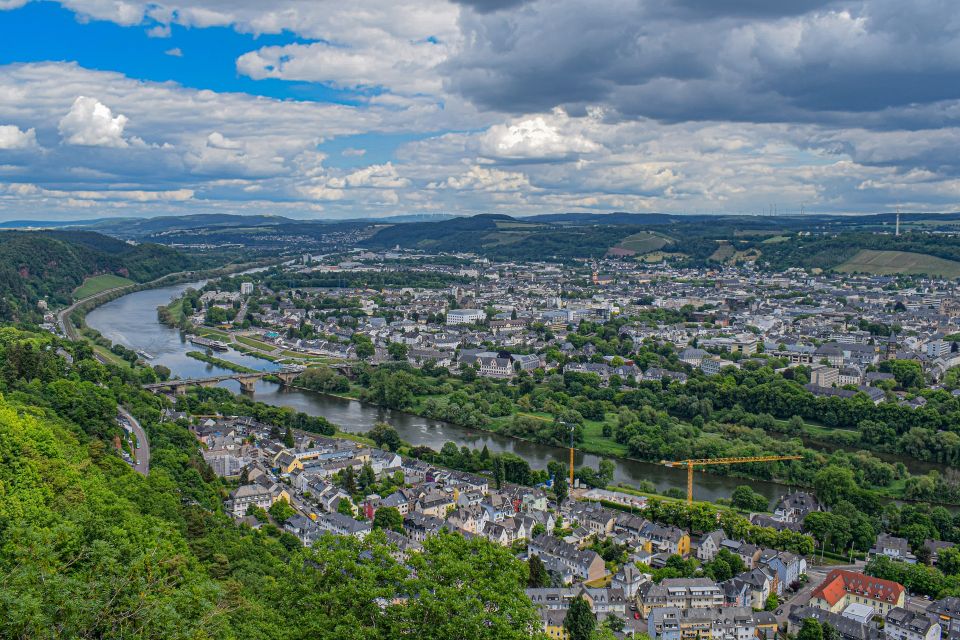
96 284
891 262
643 242
724 251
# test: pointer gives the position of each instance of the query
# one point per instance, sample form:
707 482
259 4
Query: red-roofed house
841 588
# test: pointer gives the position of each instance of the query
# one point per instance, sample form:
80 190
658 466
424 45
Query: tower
897 232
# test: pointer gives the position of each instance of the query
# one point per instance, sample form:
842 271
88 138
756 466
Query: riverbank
132 321
219 362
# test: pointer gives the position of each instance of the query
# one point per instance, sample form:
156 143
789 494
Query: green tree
344 507
388 518
579 622
538 576
771 603
833 484
281 511
745 498
397 351
810 630
363 345
498 472
367 477
288 440
385 436
561 488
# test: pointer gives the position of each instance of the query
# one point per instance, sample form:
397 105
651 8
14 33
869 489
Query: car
779 611
636 616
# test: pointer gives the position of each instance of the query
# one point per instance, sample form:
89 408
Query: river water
132 321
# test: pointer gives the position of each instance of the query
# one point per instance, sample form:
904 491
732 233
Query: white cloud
377 176
11 137
91 123
484 179
175 52
535 138
350 152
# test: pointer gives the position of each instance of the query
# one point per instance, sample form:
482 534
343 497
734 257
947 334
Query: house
680 593
894 548
304 528
935 547
419 526
842 587
342 525
789 567
246 496
762 583
795 507
585 564
671 540
597 519
628 579
495 367
848 628
901 624
671 623
947 612
710 545
435 504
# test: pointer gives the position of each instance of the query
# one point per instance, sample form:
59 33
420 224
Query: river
131 320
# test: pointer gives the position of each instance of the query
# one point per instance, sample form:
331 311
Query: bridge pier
247 385
286 378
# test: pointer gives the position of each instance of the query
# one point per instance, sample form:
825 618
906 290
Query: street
142 464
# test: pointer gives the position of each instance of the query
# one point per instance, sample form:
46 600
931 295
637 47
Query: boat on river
207 343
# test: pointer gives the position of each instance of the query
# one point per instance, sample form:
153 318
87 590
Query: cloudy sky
327 108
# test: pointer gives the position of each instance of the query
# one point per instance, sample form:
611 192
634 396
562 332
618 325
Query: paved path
142 464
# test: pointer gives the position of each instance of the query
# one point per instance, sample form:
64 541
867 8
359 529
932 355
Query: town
877 343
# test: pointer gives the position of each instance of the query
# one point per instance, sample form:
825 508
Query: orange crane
703 462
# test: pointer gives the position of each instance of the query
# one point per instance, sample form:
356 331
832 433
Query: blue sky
375 108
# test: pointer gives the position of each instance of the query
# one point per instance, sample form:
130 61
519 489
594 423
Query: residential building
842 587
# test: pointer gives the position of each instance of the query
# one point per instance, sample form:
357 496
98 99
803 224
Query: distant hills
810 241
49 265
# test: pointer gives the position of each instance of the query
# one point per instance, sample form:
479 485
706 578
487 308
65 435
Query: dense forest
50 265
88 548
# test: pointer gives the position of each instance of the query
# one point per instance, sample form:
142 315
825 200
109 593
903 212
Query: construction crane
703 462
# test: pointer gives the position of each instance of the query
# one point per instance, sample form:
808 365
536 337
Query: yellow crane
703 462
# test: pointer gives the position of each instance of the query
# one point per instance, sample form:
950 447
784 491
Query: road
63 316
142 464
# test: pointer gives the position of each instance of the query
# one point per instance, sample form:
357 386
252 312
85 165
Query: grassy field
776 239
644 242
724 250
256 344
891 262
96 284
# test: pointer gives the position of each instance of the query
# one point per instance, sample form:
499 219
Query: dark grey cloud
750 8
823 61
490 6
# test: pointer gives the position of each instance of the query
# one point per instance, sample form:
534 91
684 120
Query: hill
640 243
50 265
502 237
891 262
91 549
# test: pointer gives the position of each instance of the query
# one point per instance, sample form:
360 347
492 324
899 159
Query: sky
373 108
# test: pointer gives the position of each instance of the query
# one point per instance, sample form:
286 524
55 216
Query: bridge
247 381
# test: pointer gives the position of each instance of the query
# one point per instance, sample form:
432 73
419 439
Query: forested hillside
50 265
90 549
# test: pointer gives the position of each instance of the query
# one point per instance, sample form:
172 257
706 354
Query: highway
142 464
